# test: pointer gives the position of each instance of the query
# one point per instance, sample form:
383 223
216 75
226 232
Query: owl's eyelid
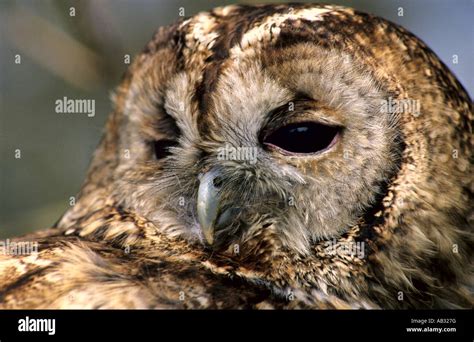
314 112
313 117
289 154
300 120
163 147
323 138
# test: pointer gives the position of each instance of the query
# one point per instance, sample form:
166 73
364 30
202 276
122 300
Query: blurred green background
82 57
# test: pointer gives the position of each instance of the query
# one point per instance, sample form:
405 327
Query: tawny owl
270 156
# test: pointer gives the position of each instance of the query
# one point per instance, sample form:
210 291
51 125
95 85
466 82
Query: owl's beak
209 211
208 204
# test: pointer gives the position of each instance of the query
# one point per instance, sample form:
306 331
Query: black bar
143 325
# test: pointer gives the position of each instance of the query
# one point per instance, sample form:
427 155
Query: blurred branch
53 49
96 27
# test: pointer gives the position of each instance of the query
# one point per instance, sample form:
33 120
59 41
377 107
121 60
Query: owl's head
247 119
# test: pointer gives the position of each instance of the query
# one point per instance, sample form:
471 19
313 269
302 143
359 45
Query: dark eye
303 137
162 147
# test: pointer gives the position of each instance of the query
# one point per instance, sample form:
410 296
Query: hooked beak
209 212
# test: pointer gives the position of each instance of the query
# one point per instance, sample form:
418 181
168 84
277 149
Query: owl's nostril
217 182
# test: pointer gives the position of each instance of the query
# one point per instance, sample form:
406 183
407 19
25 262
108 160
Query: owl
274 156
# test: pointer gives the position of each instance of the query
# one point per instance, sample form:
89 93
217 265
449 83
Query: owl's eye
303 137
162 147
